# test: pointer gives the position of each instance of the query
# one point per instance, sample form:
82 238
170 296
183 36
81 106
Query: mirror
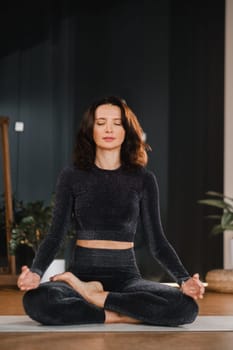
4 124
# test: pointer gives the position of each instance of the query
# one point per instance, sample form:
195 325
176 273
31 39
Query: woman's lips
108 138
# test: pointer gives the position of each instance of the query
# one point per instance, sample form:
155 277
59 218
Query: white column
228 122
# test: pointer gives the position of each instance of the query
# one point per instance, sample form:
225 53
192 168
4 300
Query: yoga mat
201 324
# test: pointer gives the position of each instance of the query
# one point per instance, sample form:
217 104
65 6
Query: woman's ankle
98 298
115 317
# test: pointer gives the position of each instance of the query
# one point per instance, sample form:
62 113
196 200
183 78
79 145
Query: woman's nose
108 127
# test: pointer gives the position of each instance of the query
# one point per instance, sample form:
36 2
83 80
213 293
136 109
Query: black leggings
56 303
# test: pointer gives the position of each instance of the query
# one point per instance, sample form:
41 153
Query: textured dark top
106 205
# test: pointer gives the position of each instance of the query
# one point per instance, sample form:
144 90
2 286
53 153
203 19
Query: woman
107 190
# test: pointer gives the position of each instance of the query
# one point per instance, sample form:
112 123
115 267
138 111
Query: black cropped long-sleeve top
106 205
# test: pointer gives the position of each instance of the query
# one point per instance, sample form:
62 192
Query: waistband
101 257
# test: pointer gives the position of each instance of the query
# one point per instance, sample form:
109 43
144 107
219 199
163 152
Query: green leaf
217 229
214 203
218 194
28 220
227 218
228 227
215 194
218 217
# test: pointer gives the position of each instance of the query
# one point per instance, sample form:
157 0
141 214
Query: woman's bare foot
115 317
92 291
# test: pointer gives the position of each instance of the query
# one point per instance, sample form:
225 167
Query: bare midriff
101 244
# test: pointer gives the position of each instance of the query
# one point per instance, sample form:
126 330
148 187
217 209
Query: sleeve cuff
39 272
182 280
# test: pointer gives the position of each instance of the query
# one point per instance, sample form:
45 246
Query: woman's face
108 131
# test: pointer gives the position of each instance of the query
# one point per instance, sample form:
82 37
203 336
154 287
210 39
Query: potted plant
220 280
31 223
225 220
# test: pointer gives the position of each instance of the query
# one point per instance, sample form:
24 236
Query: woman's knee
36 304
31 302
190 309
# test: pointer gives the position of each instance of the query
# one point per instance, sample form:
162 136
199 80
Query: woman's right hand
193 287
27 279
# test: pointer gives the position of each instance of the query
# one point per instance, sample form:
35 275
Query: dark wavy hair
133 149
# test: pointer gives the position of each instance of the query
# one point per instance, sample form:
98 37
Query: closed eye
102 121
117 121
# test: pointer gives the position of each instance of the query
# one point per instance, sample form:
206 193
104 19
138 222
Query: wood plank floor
212 304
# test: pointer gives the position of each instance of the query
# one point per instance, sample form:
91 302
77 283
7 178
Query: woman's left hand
193 287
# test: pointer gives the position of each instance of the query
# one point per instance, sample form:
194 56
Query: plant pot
57 266
231 252
220 280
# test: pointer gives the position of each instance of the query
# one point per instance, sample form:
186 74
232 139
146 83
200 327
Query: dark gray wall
114 49
196 128
125 52
56 58
36 88
78 54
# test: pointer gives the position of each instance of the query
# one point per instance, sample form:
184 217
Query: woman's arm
60 221
30 278
158 244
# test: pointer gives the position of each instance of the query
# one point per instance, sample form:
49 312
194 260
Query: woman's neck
107 160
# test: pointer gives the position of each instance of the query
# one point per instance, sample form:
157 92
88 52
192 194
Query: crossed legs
68 300
93 292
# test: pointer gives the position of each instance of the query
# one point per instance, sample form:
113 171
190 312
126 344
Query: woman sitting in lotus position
107 190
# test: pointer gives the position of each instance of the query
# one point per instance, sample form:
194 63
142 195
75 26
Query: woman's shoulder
147 173
145 177
149 178
69 171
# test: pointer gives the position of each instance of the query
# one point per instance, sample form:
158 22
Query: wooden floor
212 304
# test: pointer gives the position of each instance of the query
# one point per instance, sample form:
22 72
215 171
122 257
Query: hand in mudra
27 279
193 287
